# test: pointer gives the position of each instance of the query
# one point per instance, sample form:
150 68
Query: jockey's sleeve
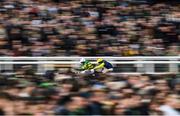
100 66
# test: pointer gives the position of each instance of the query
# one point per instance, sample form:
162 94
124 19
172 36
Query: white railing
76 62
74 58
144 64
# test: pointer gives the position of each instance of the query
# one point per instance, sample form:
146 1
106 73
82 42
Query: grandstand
42 42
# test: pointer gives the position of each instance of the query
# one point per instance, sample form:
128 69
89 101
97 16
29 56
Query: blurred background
89 28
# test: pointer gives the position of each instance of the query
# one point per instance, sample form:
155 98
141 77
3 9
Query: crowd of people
65 93
89 27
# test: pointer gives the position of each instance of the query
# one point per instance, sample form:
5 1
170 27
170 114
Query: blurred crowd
89 27
60 92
